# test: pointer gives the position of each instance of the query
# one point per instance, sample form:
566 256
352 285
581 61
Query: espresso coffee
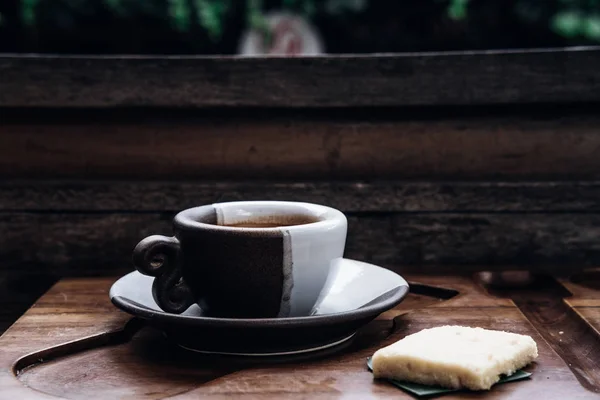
259 225
275 222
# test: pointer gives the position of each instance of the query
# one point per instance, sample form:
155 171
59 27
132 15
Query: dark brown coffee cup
256 259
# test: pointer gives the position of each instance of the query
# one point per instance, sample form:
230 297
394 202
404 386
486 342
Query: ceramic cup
249 259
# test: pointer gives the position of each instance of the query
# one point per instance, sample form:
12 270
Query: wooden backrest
471 161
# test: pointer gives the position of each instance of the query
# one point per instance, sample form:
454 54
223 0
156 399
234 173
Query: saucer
355 293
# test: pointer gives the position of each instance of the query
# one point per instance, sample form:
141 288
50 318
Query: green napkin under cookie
424 390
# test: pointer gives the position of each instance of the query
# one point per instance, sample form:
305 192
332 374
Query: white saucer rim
134 309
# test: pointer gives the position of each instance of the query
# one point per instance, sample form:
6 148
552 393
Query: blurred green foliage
28 11
180 14
571 19
204 25
573 22
457 9
208 13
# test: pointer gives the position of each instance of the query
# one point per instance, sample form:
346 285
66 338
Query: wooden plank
111 362
378 196
90 298
543 242
91 244
483 77
549 307
18 291
585 296
548 144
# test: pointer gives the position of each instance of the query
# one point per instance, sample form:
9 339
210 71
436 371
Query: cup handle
160 256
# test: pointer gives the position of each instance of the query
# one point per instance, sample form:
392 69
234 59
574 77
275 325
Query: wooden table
74 344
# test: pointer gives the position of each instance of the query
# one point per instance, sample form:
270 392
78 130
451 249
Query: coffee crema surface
275 222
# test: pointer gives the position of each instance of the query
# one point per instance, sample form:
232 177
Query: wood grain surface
18 291
102 243
549 306
456 187
142 364
583 302
349 196
556 143
481 77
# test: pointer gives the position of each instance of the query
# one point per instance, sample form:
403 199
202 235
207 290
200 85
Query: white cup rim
191 218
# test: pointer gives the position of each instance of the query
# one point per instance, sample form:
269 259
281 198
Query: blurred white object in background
284 34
